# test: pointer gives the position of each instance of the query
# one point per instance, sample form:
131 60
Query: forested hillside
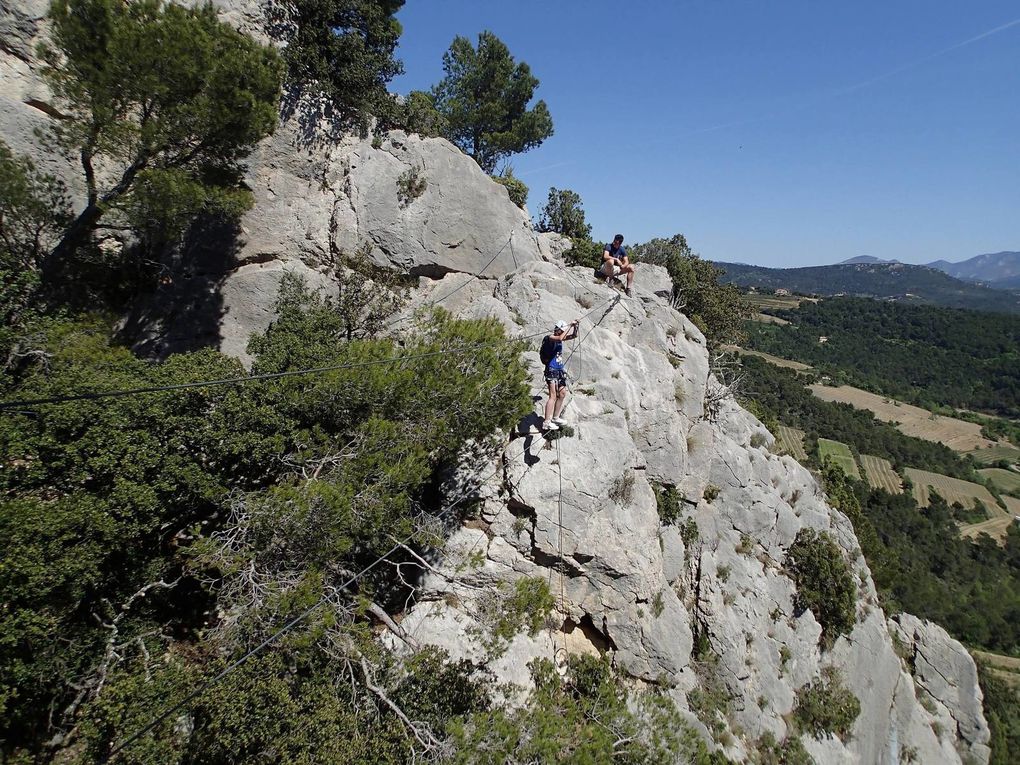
926 355
887 281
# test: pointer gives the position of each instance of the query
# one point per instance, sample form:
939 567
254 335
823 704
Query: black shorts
557 376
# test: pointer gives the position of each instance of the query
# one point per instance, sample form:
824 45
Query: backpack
548 351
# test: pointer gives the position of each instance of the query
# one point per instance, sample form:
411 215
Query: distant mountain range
871 277
1000 270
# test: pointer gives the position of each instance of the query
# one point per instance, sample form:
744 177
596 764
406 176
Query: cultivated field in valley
791 441
1004 480
911 420
996 526
780 302
950 489
880 474
839 453
769 319
1006 667
995 454
794 365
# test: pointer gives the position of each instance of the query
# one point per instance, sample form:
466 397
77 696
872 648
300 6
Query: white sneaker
559 421
549 425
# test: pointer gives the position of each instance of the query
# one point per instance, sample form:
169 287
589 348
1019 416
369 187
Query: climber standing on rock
616 262
555 373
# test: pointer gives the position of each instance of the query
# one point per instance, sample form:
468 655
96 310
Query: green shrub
528 607
292 481
563 214
419 115
790 752
825 584
34 210
584 252
717 308
746 544
712 700
710 493
517 189
279 706
623 488
1002 708
589 716
826 706
765 417
524 608
658 605
411 184
689 532
669 504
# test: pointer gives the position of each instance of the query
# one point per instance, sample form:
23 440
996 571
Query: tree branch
419 730
376 610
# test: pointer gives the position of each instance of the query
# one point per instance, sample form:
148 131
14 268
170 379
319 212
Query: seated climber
616 262
555 374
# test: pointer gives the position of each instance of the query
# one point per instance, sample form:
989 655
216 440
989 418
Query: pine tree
168 100
484 98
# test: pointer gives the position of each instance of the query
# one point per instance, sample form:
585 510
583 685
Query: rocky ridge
646 411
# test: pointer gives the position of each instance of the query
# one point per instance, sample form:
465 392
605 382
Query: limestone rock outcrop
316 199
946 681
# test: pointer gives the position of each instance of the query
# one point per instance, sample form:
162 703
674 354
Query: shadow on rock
184 312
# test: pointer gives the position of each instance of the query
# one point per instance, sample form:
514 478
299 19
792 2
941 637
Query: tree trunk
72 239
87 219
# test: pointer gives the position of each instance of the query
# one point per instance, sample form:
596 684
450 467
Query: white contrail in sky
925 59
863 83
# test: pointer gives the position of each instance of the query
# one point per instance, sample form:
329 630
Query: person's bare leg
550 402
561 399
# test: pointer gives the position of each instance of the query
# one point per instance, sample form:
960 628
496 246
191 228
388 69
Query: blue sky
780 133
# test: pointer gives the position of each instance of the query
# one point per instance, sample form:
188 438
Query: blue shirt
620 252
556 363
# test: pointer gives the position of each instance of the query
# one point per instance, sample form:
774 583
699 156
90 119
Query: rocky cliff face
688 612
580 512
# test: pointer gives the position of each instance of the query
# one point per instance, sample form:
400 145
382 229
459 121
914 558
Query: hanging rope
559 545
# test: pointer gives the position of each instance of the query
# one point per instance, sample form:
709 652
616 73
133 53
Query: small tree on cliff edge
166 99
484 99
718 309
564 214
